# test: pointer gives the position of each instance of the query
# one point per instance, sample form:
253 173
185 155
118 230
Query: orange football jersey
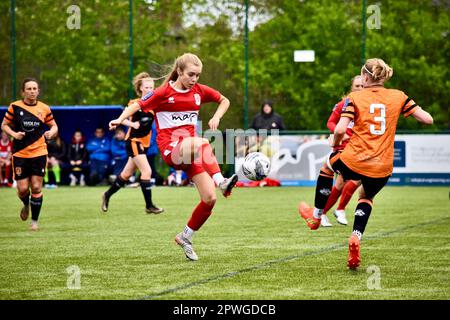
29 119
375 112
144 133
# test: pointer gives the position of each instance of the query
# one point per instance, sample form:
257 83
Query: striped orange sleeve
348 110
9 115
48 118
409 107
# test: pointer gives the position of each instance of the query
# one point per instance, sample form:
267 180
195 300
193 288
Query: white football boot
228 184
340 217
325 222
186 245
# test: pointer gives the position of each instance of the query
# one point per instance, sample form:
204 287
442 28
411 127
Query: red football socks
334 196
200 214
347 193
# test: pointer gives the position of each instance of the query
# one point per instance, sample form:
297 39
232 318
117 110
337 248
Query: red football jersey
334 119
176 111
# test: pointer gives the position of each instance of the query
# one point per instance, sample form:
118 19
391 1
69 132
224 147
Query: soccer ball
256 166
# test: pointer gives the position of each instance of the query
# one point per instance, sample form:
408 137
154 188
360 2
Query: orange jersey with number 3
375 112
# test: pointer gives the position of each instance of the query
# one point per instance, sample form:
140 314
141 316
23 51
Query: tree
90 65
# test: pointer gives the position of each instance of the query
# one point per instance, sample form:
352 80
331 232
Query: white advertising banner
419 159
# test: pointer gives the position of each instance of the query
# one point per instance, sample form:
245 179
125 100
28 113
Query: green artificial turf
254 246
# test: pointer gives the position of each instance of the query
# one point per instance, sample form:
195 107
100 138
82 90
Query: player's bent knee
36 190
124 176
146 175
327 170
210 199
22 193
365 200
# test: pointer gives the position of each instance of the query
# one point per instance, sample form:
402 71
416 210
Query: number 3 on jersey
381 119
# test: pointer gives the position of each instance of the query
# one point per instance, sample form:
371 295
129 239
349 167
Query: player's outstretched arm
423 116
132 124
128 112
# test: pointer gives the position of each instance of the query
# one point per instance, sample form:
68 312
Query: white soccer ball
256 166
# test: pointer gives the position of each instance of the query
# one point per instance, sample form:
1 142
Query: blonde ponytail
378 70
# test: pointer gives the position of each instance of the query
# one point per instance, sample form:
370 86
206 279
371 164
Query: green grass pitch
254 246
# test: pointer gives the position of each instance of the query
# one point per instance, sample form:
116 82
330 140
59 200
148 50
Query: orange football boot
307 213
354 256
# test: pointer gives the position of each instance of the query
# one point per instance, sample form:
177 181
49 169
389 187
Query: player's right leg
141 162
371 186
313 216
23 192
206 189
120 181
180 156
22 174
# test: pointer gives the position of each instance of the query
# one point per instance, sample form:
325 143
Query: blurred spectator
5 159
78 159
56 157
177 178
267 118
119 153
99 157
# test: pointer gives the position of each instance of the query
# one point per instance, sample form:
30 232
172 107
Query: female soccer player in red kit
176 104
341 189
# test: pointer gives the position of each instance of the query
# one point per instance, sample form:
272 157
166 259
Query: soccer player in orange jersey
26 121
369 155
137 143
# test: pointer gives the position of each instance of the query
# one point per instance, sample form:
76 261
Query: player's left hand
345 138
214 123
331 140
49 134
114 123
136 125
